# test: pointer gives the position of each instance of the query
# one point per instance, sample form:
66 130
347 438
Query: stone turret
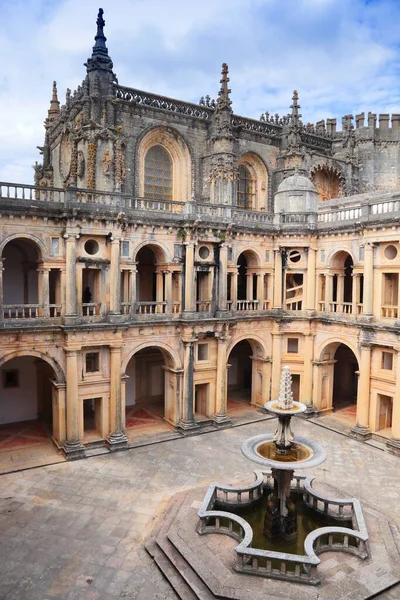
223 168
54 111
296 194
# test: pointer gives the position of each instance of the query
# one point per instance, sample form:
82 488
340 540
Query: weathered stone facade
151 248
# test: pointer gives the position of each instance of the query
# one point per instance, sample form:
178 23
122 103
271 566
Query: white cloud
341 55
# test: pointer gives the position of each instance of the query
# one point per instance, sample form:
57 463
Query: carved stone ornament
225 168
65 157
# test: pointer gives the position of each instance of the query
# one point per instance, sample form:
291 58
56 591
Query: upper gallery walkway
343 212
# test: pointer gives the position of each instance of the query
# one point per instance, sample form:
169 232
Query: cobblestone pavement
74 531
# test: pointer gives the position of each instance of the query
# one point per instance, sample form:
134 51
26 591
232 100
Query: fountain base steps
202 567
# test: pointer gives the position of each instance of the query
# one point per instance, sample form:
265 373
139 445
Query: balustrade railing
203 305
294 304
215 518
22 311
91 309
151 308
366 209
55 310
126 308
389 311
247 305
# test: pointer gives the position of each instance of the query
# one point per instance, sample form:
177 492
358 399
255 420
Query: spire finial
54 109
223 95
295 108
100 58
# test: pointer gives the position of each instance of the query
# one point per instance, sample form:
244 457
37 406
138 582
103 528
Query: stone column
393 445
234 290
168 291
188 421
340 292
355 293
260 290
222 277
73 447
115 278
276 364
249 286
221 417
368 279
70 276
328 291
44 292
117 439
133 289
362 430
311 261
190 297
277 279
307 383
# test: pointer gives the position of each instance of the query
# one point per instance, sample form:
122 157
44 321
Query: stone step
186 583
197 586
96 451
376 442
180 587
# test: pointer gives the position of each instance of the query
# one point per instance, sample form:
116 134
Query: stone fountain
281 525
282 452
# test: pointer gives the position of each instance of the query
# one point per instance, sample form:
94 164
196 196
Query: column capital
114 348
72 351
189 341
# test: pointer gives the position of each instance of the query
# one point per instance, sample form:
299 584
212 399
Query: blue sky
343 56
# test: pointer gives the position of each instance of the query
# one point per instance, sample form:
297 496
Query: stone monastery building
173 257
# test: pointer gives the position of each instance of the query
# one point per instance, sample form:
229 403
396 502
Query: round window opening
390 252
294 256
91 247
204 252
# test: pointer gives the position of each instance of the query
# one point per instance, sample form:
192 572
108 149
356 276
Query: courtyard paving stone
76 530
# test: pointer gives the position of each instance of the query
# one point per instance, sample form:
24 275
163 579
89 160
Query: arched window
158 174
246 188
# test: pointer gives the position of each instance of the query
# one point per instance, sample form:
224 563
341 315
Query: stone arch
245 358
58 370
257 344
252 257
337 376
329 181
152 382
171 356
335 257
182 161
334 343
39 245
161 252
260 173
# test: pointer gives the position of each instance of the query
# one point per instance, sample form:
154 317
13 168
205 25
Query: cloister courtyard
76 530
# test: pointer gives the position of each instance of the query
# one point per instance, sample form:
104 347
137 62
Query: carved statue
106 163
80 171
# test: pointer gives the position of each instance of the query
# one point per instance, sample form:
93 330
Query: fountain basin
304 453
274 408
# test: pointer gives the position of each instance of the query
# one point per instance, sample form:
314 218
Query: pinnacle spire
295 109
100 58
54 109
224 100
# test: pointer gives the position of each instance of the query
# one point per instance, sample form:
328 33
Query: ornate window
252 183
246 188
158 174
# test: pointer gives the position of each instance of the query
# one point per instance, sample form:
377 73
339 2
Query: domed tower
296 194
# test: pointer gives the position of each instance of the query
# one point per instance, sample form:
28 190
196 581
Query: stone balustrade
281 565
